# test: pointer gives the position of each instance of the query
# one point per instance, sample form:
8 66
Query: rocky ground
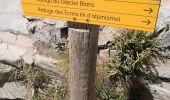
27 40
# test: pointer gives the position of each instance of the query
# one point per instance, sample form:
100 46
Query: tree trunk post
83 41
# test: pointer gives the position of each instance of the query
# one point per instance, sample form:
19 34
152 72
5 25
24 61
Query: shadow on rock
139 91
11 99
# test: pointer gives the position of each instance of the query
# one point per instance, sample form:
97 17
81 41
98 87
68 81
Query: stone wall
24 40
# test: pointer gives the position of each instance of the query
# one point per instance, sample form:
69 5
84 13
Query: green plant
104 89
14 75
134 59
32 76
35 76
61 46
48 93
62 91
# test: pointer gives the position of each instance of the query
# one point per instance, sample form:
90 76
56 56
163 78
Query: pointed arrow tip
151 10
149 22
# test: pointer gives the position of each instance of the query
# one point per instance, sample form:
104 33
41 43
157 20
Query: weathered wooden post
83 40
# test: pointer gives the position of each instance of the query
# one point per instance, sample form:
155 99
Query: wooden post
83 41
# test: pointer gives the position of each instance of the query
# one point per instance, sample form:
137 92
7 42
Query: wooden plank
92 17
130 14
134 7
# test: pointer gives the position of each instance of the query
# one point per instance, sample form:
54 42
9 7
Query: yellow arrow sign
131 14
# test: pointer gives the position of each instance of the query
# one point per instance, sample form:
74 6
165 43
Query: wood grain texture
82 62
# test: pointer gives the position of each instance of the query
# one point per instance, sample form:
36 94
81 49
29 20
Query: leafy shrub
104 89
32 76
133 62
60 91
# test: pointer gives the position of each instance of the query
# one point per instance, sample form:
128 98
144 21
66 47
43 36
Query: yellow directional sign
131 14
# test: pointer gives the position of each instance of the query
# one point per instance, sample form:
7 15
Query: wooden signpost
83 38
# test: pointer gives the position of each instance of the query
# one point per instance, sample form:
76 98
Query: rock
165 36
49 21
29 56
15 47
159 93
13 21
61 24
45 49
20 47
11 52
5 68
105 54
34 26
163 17
58 23
18 40
11 17
163 23
8 37
163 69
44 32
13 90
46 63
43 59
23 41
108 34
165 85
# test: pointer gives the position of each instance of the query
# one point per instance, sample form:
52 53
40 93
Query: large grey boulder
15 51
14 48
162 91
159 92
108 34
163 17
11 17
163 68
13 90
163 26
46 30
4 69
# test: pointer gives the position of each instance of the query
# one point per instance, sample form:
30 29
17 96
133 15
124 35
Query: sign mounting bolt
87 20
74 19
